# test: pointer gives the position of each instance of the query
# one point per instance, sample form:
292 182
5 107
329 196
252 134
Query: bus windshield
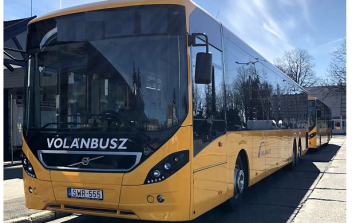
113 70
311 114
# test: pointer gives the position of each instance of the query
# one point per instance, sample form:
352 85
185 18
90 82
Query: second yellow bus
320 117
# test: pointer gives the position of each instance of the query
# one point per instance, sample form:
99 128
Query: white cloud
266 27
337 41
16 9
328 47
305 11
253 22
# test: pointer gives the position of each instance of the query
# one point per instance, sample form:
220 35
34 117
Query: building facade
15 32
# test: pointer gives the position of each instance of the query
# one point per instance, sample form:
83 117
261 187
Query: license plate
85 194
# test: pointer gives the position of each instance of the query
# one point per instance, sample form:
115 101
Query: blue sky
270 26
274 26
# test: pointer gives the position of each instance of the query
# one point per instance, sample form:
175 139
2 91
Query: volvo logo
85 161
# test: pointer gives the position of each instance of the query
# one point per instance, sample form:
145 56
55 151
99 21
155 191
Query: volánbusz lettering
89 143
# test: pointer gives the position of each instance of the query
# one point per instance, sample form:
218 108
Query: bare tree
335 83
337 66
298 65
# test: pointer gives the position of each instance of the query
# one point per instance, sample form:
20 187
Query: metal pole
11 130
341 112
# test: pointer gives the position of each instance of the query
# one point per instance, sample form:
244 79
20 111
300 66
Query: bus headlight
167 167
28 168
156 173
312 135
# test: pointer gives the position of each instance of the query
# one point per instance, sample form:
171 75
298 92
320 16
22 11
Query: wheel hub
239 182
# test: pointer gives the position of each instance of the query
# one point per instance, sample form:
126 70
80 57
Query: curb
40 217
15 163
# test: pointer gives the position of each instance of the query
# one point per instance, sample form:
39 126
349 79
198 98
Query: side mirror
203 69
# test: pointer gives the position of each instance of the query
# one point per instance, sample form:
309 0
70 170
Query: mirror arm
192 40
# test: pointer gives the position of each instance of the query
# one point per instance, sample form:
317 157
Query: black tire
318 148
307 140
298 153
328 139
294 159
240 186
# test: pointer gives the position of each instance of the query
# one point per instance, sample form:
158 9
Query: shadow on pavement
275 198
13 172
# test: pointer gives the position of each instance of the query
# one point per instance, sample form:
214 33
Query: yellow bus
320 123
151 110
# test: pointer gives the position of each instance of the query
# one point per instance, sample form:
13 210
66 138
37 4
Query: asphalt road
314 192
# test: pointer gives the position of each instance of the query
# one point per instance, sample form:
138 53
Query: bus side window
208 103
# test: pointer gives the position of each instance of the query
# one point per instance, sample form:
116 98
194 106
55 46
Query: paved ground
327 201
14 194
314 192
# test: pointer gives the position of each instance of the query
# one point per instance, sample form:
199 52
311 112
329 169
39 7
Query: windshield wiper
143 137
37 131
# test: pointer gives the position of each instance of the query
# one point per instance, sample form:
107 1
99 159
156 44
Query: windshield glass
311 113
116 70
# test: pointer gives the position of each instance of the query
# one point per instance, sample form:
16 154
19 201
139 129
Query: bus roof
107 5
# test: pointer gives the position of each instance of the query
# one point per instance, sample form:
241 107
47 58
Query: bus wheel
239 186
328 139
298 154
294 159
318 148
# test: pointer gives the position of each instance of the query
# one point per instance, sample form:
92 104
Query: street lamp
243 63
251 62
